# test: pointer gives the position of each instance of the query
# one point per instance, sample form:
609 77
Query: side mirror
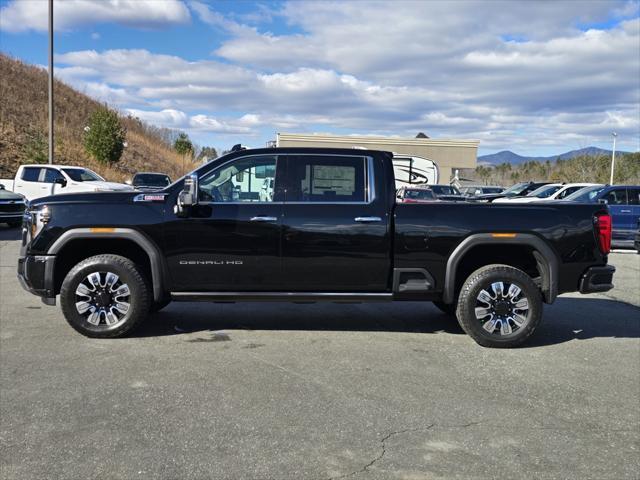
188 197
603 201
61 181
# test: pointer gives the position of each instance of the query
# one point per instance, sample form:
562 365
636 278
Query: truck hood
111 197
108 186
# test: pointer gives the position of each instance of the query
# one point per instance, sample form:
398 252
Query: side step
295 297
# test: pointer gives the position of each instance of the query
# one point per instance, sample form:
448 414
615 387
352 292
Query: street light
613 157
51 143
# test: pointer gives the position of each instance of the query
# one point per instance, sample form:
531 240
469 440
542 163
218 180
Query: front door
231 240
335 226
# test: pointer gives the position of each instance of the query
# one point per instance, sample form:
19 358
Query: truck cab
36 181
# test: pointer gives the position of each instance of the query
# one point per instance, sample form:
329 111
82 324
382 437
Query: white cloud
25 15
177 119
509 73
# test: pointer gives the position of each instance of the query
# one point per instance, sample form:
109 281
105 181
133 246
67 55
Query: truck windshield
419 195
516 189
586 195
151 180
545 192
82 175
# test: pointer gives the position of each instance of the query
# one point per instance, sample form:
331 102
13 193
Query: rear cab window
31 174
327 179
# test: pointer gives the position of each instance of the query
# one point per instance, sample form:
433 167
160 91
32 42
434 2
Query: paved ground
275 391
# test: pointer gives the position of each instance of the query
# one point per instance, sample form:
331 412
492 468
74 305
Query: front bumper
36 275
597 279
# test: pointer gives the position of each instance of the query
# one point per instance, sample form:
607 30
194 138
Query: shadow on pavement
7 233
568 319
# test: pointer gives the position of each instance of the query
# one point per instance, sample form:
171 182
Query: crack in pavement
383 450
383 445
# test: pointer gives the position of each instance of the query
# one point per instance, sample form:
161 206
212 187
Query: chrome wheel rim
103 299
502 308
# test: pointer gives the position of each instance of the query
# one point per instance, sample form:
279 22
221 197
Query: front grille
11 207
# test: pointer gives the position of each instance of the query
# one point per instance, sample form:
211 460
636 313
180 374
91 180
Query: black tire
138 298
468 301
448 308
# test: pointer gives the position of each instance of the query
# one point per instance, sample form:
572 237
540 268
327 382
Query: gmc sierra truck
331 230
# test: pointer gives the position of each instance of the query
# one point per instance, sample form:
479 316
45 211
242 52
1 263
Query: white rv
410 170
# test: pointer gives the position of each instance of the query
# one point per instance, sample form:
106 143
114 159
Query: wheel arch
544 257
156 264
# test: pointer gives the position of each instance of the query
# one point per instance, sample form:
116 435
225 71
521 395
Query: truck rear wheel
104 296
499 306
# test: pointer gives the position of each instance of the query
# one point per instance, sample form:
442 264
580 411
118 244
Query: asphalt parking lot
278 391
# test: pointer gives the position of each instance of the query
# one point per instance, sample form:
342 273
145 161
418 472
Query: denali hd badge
210 262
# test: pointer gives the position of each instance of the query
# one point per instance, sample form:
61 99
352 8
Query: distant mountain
507 156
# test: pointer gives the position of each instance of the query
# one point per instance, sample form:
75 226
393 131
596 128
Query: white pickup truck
35 181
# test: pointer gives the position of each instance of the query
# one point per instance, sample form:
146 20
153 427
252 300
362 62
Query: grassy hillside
23 128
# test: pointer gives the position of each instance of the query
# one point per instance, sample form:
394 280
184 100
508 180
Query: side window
326 179
617 197
249 179
568 191
634 196
51 175
30 174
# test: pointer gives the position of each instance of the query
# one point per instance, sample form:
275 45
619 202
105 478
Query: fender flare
156 259
545 257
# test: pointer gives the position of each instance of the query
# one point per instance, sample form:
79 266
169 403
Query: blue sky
537 78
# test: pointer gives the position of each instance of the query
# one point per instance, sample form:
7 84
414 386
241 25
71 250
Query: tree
36 147
207 153
183 145
104 136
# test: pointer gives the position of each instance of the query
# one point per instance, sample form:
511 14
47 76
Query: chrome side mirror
188 197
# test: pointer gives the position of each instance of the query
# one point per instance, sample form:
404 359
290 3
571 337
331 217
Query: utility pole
613 157
51 142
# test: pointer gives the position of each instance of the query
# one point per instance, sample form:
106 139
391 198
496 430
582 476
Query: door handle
625 211
367 219
262 218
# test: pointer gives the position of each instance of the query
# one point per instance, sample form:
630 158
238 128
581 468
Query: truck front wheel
104 296
499 306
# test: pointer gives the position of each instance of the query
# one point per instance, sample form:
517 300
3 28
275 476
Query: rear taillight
602 224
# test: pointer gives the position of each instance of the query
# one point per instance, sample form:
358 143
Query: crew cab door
231 239
34 182
336 225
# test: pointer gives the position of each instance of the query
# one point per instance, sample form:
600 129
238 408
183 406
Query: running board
295 297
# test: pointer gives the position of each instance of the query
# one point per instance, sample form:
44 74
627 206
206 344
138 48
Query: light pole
51 142
613 157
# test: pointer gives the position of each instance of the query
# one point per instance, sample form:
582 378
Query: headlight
39 218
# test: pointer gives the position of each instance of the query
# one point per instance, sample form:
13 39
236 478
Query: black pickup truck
307 225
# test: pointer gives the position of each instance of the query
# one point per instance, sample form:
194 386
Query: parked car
547 193
475 190
624 205
518 190
446 192
150 181
35 181
12 206
415 195
333 232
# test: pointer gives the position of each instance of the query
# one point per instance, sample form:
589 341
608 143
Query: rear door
633 207
335 224
31 183
620 211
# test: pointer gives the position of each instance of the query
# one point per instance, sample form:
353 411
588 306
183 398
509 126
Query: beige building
448 154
